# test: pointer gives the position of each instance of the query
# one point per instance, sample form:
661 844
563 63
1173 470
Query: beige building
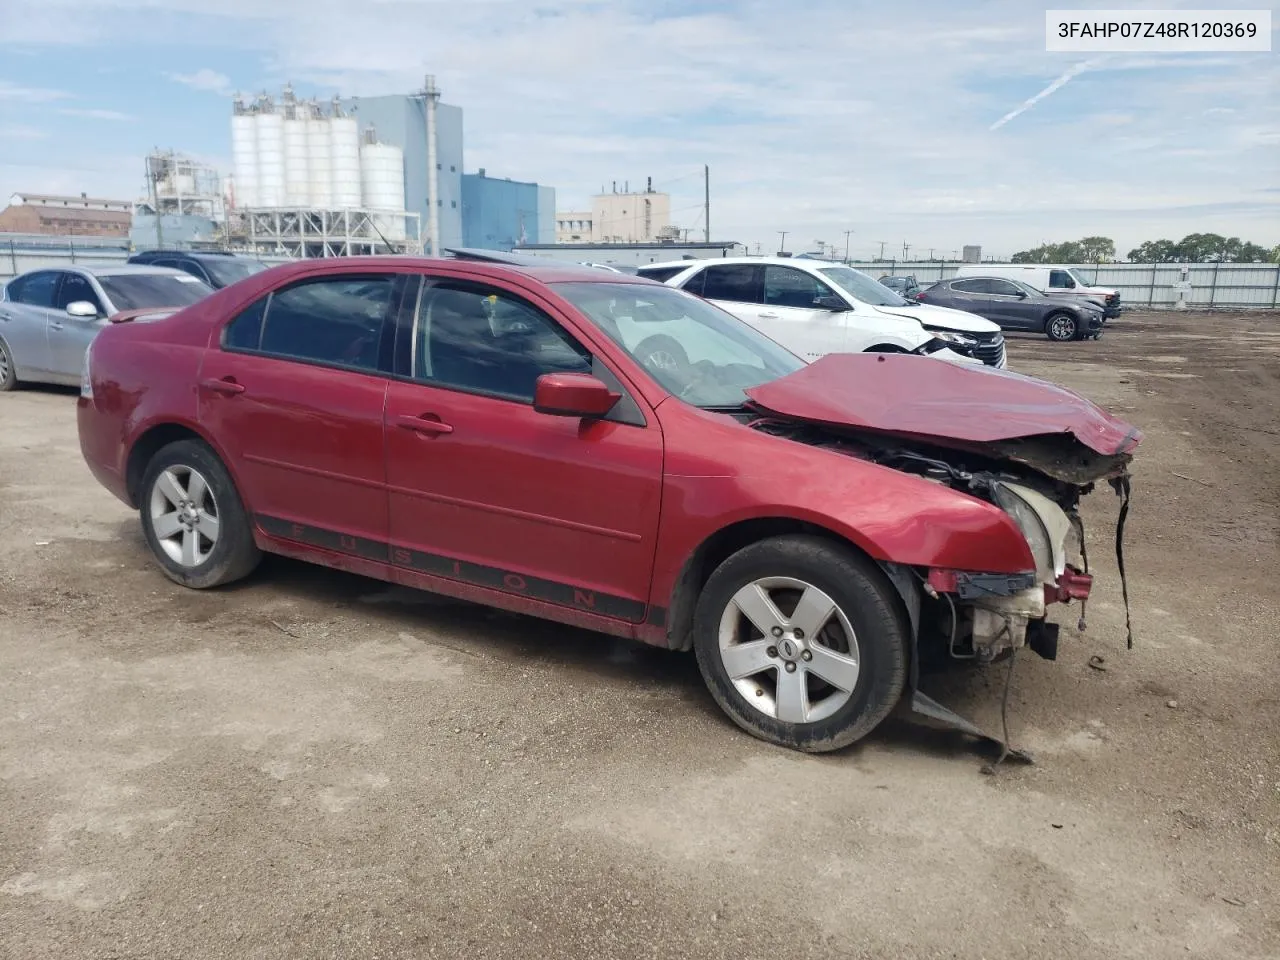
618 218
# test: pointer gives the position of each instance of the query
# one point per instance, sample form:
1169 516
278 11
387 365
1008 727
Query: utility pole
906 248
881 242
706 203
782 247
155 203
432 97
846 245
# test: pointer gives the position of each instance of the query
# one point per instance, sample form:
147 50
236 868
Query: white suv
814 308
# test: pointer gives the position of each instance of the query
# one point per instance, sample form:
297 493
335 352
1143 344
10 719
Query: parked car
215 268
662 272
49 317
1016 306
814 308
1053 281
905 287
498 433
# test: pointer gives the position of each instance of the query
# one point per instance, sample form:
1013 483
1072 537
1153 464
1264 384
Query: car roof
193 254
125 269
548 271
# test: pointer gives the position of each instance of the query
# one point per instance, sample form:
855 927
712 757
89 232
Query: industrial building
82 216
620 217
501 214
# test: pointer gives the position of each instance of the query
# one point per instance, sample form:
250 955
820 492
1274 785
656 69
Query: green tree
1096 250
1088 250
1275 254
1155 251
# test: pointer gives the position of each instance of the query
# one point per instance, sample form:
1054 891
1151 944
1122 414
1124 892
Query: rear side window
336 320
245 331
970 286
35 290
736 282
661 274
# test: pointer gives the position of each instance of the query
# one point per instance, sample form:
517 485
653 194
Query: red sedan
611 453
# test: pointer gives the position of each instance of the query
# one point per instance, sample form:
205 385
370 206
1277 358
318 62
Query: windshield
861 287
1080 281
142 290
229 271
694 350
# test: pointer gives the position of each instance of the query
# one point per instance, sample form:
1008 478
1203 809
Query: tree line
1193 248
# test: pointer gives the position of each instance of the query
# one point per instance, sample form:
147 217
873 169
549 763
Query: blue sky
816 116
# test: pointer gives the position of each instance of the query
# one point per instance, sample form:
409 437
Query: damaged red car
608 452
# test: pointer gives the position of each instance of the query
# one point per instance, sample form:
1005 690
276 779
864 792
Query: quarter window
788 287
337 320
486 341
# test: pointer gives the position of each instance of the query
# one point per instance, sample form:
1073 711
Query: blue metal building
501 214
402 121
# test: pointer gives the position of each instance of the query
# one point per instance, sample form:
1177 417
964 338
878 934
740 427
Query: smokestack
648 186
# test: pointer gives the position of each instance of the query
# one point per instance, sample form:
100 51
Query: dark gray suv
1016 306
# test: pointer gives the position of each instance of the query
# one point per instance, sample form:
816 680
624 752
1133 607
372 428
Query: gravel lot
315 765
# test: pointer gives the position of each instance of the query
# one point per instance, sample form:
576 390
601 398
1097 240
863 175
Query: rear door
737 288
69 337
488 491
24 321
789 314
294 393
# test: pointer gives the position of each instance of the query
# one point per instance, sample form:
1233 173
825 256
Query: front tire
193 518
802 642
8 372
1061 327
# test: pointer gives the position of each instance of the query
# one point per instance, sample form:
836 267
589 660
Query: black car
905 287
213 267
1015 306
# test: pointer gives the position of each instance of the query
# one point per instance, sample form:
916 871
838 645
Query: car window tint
697 283
245 331
788 287
1060 278
736 282
337 320
1002 288
37 289
488 341
967 286
661 274
75 287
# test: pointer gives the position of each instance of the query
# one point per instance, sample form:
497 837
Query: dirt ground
315 765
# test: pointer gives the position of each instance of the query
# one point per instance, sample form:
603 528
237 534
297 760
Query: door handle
768 316
226 386
428 424
54 325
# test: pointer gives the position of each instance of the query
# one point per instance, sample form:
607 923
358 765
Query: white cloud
20 131
96 114
204 79
1052 88
13 93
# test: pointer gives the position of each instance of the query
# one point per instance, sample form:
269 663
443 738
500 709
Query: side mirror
573 395
82 310
832 303
1021 294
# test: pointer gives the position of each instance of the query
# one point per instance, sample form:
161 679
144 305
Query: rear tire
1061 327
814 689
193 518
8 372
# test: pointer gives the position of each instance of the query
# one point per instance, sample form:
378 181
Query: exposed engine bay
1038 481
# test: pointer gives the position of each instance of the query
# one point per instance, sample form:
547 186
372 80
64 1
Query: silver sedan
48 318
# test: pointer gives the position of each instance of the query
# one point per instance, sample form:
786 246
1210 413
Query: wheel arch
723 543
154 438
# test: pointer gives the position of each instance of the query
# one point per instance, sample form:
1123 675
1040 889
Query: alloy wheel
184 515
789 649
1062 328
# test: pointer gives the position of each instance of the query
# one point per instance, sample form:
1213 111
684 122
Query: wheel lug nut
776 631
799 633
807 655
791 667
772 651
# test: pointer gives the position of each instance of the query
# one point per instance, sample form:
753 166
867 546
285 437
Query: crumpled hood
1005 414
946 317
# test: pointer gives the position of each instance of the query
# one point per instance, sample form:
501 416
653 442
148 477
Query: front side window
1002 288
693 349
36 290
734 282
788 287
337 320
1060 278
75 287
482 340
140 291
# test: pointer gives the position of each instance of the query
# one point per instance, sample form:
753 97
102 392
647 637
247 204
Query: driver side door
69 337
790 315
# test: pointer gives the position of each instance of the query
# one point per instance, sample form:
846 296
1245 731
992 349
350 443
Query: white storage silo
319 165
244 157
382 186
297 175
271 171
344 158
